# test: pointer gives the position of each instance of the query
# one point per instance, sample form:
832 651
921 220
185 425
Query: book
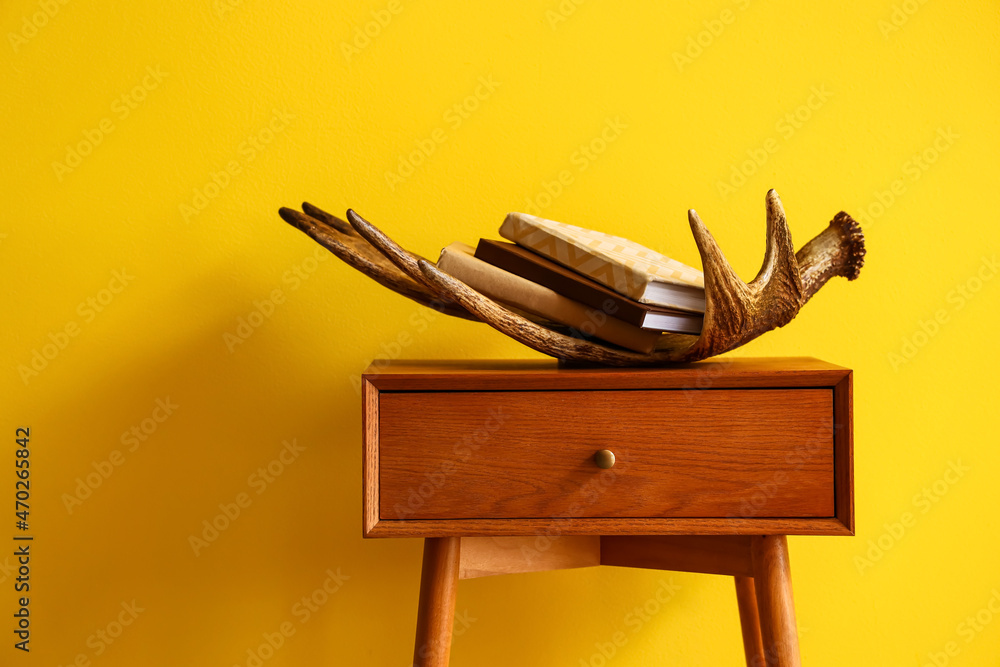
625 266
458 260
536 268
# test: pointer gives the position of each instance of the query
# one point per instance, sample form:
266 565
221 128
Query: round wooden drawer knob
604 458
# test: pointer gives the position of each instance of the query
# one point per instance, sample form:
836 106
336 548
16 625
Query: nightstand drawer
678 454
490 448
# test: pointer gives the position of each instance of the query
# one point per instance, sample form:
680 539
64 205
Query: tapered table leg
746 599
436 609
773 584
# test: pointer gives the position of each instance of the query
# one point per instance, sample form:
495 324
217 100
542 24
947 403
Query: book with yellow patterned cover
620 264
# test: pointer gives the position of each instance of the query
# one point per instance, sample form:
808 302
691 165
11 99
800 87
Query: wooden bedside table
517 466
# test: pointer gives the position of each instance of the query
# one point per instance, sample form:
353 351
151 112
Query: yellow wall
148 147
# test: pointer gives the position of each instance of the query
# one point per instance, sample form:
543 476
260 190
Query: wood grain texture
546 374
716 462
716 554
722 453
389 377
488 556
843 447
775 604
584 526
436 608
746 600
369 458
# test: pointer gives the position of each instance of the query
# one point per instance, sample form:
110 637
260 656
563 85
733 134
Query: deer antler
339 238
736 312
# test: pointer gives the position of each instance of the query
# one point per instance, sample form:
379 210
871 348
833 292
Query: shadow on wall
214 491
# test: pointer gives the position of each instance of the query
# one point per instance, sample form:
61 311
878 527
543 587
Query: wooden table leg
773 583
436 609
746 599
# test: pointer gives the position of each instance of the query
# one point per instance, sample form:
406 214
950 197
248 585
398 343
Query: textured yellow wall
148 146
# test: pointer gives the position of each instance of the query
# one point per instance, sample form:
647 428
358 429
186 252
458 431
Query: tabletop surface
539 374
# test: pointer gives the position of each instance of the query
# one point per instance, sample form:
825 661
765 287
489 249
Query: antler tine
714 264
341 226
365 259
726 295
839 250
534 335
779 250
360 260
778 282
404 259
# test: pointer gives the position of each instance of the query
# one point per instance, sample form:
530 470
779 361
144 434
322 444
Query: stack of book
598 285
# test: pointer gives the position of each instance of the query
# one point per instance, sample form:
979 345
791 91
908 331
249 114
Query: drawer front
750 453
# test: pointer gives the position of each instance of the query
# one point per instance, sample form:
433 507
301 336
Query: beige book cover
622 265
459 261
